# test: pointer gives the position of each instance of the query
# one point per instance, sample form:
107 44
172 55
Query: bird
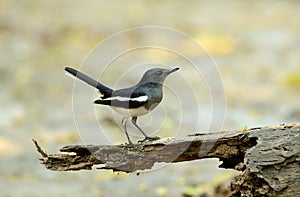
130 102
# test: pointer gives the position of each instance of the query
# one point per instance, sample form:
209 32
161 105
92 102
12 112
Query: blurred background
255 45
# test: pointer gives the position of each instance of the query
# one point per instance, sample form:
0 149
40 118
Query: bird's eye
159 72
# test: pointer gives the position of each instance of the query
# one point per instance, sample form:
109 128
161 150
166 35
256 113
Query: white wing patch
120 98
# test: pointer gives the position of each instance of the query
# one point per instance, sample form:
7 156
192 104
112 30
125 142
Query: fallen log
268 157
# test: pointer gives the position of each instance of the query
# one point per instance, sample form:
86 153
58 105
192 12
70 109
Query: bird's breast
131 112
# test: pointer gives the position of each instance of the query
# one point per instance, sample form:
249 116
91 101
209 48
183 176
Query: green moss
244 128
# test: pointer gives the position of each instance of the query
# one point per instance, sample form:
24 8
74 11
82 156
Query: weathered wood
268 157
273 164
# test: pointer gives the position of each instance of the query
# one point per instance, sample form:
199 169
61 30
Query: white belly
131 112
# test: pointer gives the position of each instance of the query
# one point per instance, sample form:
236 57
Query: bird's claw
129 145
149 139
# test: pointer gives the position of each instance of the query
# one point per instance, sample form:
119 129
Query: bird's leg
133 120
147 138
125 130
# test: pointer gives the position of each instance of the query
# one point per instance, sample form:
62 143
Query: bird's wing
128 98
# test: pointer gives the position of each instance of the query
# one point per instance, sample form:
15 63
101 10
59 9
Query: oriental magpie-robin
134 101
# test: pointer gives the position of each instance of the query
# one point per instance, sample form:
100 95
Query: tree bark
268 157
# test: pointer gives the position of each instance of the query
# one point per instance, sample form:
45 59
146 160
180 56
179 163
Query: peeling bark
268 157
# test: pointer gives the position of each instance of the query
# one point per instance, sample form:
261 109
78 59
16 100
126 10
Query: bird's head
157 75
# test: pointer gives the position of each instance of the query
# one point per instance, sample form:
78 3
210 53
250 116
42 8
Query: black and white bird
134 101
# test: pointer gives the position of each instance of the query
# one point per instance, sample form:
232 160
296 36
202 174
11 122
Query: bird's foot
131 145
149 139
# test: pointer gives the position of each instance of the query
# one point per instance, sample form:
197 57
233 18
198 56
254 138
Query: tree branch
268 157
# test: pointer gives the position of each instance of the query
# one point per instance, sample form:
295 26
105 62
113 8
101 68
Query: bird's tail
106 91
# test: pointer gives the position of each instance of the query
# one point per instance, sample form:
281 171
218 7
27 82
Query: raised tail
106 91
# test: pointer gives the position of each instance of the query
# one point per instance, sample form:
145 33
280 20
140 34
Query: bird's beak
169 71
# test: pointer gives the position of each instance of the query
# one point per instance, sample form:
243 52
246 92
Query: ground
254 45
